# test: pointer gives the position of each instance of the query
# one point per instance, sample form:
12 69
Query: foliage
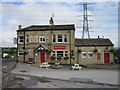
59 57
66 57
50 50
95 50
79 50
53 57
112 50
26 52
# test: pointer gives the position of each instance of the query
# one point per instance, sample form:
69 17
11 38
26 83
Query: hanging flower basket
79 50
95 50
50 50
59 57
26 52
66 57
53 57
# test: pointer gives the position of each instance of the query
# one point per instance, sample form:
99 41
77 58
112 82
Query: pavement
104 76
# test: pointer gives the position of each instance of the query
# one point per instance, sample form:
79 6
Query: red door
42 57
106 58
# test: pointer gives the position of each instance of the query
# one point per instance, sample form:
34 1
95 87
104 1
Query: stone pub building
57 43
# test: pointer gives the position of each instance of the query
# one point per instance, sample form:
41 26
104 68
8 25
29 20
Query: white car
44 65
76 66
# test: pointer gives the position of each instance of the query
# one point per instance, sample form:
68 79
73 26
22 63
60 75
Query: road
7 65
30 81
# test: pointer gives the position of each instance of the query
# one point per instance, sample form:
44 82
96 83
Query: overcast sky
21 12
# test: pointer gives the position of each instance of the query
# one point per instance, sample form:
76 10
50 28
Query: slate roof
48 27
93 42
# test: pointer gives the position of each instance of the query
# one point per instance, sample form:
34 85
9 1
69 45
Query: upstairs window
20 39
65 38
59 38
54 38
42 39
27 39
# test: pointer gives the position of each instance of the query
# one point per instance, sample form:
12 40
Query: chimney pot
98 36
20 26
51 22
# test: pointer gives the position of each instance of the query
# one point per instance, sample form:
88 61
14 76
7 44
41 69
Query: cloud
29 13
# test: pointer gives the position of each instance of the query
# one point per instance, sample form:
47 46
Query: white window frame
62 39
65 37
27 38
90 52
20 39
42 39
55 38
20 52
83 53
59 50
65 53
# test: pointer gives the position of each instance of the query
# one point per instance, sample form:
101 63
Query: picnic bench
44 65
56 66
76 66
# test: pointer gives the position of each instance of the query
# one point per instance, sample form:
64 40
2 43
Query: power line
85 20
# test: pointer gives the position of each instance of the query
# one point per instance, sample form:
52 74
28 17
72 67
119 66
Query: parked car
7 56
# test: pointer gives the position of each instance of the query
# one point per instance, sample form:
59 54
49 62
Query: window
42 39
66 53
53 53
84 54
65 38
59 38
59 53
27 39
20 39
54 38
90 54
20 53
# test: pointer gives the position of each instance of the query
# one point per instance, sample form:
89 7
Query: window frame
90 52
65 37
41 39
55 53
54 38
83 53
20 39
20 52
61 38
27 39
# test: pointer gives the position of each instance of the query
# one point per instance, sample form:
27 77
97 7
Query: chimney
98 37
51 22
20 26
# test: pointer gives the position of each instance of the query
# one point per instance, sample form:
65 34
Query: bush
59 57
95 50
50 50
79 50
112 50
66 57
53 57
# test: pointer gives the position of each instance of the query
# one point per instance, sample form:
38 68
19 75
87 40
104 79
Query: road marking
5 67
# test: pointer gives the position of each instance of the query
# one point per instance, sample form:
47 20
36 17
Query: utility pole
85 20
